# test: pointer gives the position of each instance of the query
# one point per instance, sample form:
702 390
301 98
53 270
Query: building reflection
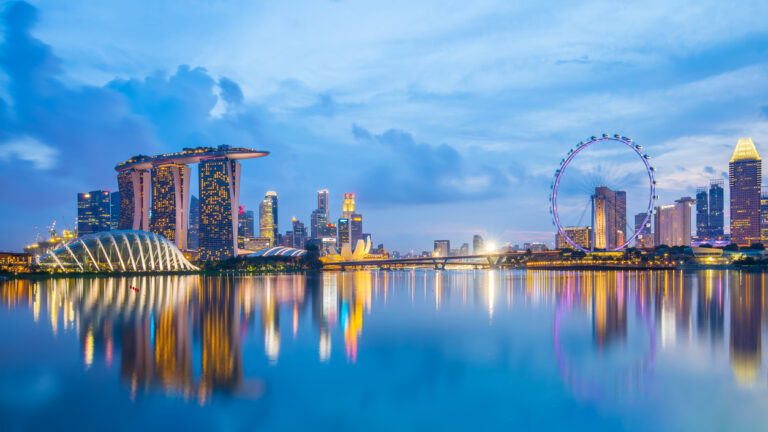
185 335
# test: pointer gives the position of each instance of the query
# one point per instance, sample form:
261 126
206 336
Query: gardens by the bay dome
118 251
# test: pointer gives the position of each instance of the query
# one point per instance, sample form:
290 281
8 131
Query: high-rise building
268 218
170 195
355 228
716 210
93 212
114 210
464 250
442 248
478 244
745 177
219 198
245 227
193 230
764 216
342 237
702 214
349 205
580 235
644 237
672 223
610 213
322 200
134 186
299 234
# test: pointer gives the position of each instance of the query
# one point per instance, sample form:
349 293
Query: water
399 350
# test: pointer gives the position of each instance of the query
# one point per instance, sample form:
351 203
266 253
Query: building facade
170 196
219 198
716 210
114 210
93 212
702 213
580 235
610 218
745 177
672 223
442 248
342 237
134 186
644 239
193 229
478 244
268 227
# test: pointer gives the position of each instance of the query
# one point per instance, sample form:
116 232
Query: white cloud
29 149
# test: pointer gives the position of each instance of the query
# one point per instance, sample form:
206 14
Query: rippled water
399 350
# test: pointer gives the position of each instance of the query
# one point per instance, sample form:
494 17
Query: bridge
490 260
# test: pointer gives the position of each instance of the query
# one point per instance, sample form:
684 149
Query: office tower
464 250
245 227
356 228
478 244
349 205
268 218
716 210
318 224
93 212
620 213
170 195
193 230
702 214
134 187
322 200
299 234
610 218
672 223
580 235
745 176
442 248
219 197
644 237
342 237
114 210
764 216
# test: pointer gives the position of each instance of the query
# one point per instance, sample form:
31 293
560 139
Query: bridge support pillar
440 264
494 261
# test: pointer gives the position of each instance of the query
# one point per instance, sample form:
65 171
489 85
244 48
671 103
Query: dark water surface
399 350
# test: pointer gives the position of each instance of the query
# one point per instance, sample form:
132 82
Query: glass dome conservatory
118 251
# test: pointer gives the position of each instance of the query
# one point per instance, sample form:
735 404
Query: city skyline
452 162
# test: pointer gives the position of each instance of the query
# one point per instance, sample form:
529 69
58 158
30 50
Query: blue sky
446 118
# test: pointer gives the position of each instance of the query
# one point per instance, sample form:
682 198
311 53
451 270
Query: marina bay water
387 350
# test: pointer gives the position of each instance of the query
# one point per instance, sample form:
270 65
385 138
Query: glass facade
745 177
610 218
93 212
702 214
356 228
716 210
219 183
193 231
134 187
268 227
170 192
343 236
114 209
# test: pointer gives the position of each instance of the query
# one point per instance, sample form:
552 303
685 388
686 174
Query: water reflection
185 335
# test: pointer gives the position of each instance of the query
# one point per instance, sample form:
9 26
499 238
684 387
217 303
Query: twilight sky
446 118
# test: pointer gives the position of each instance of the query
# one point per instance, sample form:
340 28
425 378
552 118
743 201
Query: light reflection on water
629 350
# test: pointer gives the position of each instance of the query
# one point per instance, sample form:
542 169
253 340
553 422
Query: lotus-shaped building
362 248
118 251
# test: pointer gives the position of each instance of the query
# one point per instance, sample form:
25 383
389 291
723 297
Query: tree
757 246
733 247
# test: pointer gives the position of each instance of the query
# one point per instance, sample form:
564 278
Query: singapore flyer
603 195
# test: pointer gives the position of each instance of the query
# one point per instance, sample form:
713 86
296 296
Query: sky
447 119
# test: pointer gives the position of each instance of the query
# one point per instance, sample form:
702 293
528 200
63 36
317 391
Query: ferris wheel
635 167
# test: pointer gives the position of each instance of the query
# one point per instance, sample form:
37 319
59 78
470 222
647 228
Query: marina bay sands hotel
154 196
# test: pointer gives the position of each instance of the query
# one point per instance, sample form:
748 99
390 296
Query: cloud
230 91
29 149
407 172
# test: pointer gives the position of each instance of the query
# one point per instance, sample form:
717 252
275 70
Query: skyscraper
672 223
134 186
442 248
355 228
193 230
745 177
579 235
644 237
610 213
702 214
349 205
93 212
299 234
764 216
318 222
478 244
268 218
219 198
170 195
716 210
114 209
245 227
343 236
